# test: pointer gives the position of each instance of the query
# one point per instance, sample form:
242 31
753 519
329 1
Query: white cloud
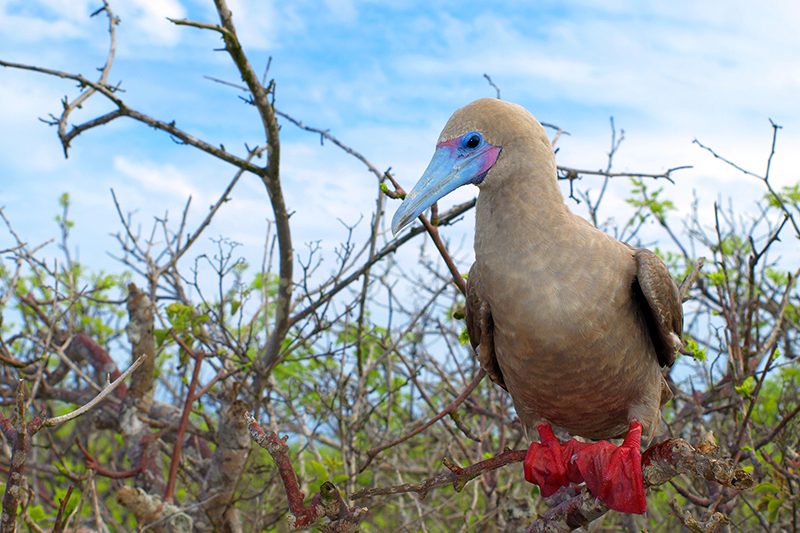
164 180
149 18
256 23
45 19
684 66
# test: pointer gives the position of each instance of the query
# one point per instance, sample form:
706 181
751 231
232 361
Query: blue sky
384 76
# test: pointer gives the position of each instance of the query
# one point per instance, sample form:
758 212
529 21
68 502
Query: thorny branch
19 433
660 463
326 503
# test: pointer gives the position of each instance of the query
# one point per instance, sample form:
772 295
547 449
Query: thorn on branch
399 192
266 72
707 525
665 460
327 502
152 513
660 463
459 422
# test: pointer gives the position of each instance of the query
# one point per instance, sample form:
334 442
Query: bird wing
660 303
480 327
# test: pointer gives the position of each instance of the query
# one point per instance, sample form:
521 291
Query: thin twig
108 389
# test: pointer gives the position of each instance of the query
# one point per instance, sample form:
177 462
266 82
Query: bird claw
613 474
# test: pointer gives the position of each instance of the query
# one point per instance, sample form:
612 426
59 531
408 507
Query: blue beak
451 167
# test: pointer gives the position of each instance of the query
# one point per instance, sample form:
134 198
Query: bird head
468 150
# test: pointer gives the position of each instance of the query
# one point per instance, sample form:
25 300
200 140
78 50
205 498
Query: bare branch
108 389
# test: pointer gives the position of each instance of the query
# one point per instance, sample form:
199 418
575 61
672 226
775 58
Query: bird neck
525 213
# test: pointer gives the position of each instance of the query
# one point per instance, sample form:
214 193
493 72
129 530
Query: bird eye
473 141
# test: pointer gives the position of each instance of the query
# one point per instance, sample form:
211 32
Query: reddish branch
58 526
327 502
431 226
451 408
99 359
169 492
81 347
665 460
91 462
166 416
660 463
433 231
18 434
457 476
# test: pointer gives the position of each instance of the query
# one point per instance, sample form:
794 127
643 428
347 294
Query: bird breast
569 339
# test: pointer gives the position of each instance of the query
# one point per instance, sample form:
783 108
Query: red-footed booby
573 323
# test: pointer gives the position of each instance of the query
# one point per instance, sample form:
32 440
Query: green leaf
747 387
180 315
235 305
319 469
698 353
766 486
464 337
773 507
37 513
161 335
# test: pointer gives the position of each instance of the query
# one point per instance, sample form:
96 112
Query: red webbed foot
548 463
613 474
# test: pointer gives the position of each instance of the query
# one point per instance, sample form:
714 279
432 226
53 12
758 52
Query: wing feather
660 303
480 327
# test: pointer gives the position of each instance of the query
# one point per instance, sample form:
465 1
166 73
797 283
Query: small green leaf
698 353
773 507
747 387
161 335
464 337
180 316
319 469
37 513
766 486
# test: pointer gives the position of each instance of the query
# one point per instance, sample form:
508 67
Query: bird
575 324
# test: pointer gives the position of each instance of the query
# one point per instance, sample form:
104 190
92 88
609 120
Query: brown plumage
573 323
